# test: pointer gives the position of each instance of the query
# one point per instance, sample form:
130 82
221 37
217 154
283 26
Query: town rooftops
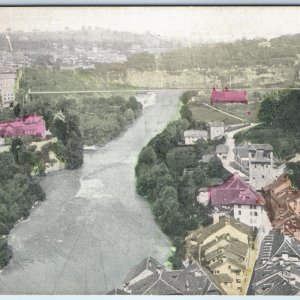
277 267
227 96
234 191
151 278
203 233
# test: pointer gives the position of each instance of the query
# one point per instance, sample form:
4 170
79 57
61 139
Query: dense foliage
18 192
279 114
169 175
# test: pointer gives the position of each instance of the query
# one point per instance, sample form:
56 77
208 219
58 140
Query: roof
224 278
255 147
222 149
203 233
215 124
272 271
192 280
25 120
195 134
226 96
234 191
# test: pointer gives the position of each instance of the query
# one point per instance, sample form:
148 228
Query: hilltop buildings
28 125
283 204
277 268
257 162
149 277
225 249
225 96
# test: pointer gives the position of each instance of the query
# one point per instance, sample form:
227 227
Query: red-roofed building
236 197
226 96
28 125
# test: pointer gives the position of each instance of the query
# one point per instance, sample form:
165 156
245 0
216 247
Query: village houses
149 277
8 78
225 248
192 136
277 268
283 205
216 130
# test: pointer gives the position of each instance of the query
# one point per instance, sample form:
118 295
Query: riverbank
93 226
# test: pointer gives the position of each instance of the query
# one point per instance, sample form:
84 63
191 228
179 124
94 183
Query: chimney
216 218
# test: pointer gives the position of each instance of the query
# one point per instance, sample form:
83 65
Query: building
257 162
237 198
28 125
192 136
283 206
216 130
277 268
222 151
8 78
225 96
224 248
150 277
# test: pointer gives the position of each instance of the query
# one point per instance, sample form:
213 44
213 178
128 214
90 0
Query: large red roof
226 96
234 191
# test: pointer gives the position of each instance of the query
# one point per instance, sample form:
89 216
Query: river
93 227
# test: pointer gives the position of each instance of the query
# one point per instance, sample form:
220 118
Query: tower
261 164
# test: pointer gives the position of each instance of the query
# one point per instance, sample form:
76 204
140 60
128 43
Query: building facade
224 248
257 162
216 130
283 206
7 86
237 198
28 125
225 96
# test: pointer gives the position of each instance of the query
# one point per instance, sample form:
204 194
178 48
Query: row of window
251 206
251 213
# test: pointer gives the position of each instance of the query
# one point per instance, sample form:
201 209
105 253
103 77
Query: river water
93 227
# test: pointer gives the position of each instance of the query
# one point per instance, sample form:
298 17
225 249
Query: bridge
144 90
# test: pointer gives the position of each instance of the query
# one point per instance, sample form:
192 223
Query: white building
236 198
8 78
257 161
192 136
216 130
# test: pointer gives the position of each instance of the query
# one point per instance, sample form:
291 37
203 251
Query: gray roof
192 280
255 147
222 149
272 273
195 133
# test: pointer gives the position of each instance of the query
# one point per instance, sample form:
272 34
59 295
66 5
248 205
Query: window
238 280
254 206
225 283
239 206
251 206
229 267
251 213
262 176
238 219
255 213
240 212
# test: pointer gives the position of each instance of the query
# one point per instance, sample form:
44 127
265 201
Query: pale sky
194 23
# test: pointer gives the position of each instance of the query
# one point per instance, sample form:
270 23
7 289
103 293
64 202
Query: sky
190 23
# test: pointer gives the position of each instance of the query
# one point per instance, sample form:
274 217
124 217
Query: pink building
237 198
226 96
27 125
